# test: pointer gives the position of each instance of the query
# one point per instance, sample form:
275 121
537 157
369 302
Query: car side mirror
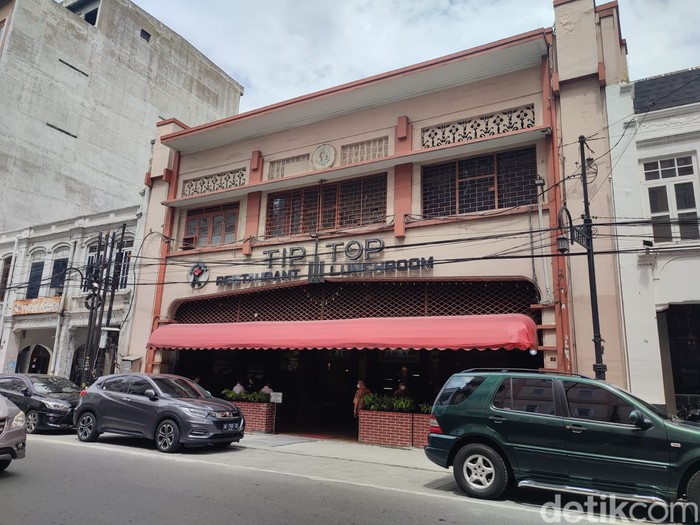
638 420
26 392
150 394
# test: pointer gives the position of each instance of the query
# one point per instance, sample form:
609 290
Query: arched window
121 263
58 271
36 272
5 266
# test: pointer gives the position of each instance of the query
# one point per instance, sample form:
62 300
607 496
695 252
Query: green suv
561 432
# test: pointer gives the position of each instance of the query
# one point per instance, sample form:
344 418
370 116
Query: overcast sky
281 49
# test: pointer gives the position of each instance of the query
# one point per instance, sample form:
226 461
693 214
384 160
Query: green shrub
425 408
387 403
251 397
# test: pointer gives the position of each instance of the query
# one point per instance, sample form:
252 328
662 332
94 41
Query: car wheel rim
32 421
479 472
85 426
166 436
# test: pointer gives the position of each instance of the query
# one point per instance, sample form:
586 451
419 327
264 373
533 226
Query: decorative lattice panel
513 119
216 182
364 151
348 300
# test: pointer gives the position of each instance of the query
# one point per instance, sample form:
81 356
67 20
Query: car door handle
127 399
576 429
497 419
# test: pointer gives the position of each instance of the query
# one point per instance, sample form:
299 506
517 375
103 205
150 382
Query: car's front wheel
4 463
87 427
168 436
32 421
693 489
480 471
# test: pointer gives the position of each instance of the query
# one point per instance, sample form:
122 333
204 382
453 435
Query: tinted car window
458 389
17 385
53 385
139 385
595 403
525 395
5 382
115 384
178 387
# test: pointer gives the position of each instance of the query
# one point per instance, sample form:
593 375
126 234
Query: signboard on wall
41 305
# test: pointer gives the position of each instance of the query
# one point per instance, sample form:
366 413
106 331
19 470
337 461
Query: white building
655 134
43 315
83 84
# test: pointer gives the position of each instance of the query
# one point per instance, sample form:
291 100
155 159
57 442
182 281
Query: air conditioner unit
188 243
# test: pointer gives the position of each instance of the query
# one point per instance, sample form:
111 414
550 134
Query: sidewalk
411 458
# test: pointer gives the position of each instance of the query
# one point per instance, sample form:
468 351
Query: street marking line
161 456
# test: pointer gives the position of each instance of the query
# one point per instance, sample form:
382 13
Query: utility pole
584 236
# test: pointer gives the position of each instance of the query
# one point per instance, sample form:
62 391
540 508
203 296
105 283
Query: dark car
13 433
562 432
47 401
172 410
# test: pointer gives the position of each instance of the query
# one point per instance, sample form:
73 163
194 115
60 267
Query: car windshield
178 387
53 385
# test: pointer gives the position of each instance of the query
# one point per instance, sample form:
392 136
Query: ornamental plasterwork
323 157
513 119
216 182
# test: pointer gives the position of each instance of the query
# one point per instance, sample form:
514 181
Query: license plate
228 427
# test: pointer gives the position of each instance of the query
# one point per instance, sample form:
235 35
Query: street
272 479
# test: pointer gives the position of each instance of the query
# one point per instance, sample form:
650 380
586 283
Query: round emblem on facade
198 275
323 157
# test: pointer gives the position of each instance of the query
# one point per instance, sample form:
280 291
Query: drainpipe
543 242
61 313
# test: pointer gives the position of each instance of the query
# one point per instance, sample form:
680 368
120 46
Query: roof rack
526 370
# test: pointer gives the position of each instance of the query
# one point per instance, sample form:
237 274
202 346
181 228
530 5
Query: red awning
475 332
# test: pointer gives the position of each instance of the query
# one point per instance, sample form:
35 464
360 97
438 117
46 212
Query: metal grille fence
350 300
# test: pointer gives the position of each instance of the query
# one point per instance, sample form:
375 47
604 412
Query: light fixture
562 244
648 244
532 351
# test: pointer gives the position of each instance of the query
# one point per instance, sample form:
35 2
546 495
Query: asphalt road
126 481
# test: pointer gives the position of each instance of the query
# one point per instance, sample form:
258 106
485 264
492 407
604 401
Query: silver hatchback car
13 433
172 410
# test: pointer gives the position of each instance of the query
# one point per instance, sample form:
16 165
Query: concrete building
83 83
655 125
44 317
309 243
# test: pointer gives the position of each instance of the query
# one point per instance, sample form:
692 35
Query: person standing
360 394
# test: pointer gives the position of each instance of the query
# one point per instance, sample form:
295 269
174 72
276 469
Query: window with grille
671 190
486 182
346 204
212 226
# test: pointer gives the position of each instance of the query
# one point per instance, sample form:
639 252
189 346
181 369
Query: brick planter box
259 417
393 429
421 425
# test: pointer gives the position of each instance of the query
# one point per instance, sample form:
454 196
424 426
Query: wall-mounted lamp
648 244
532 351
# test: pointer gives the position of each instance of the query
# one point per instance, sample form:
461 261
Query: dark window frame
479 183
193 225
351 203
